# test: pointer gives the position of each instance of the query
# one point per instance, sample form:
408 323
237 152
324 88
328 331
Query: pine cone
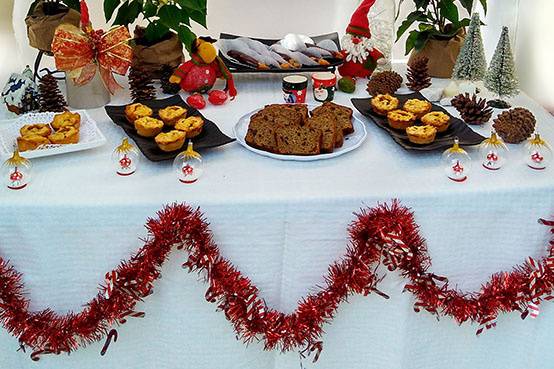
140 84
515 125
50 96
167 87
418 74
473 111
384 83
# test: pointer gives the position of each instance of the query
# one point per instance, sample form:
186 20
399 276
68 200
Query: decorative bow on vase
79 51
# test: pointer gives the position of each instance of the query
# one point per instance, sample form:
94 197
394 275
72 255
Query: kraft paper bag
41 26
442 55
152 57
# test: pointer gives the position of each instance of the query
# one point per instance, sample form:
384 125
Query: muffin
136 111
65 135
172 114
192 126
437 119
148 126
171 141
43 130
31 142
382 104
65 119
421 134
417 107
400 119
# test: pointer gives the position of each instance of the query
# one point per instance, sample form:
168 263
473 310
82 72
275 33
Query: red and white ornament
457 163
188 165
125 159
538 154
16 172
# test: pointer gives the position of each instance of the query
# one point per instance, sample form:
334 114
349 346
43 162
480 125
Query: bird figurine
199 74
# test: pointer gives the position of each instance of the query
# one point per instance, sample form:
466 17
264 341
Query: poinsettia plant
163 17
438 19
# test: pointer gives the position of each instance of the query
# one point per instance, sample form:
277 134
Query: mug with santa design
324 86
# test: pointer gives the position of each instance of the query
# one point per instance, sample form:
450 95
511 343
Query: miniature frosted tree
471 63
501 75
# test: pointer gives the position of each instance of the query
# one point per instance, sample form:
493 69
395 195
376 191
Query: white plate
351 141
90 135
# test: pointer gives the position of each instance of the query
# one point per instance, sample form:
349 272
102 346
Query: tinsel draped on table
384 234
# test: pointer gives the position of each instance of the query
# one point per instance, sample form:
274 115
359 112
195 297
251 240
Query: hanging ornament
457 162
16 172
125 158
188 165
539 153
493 152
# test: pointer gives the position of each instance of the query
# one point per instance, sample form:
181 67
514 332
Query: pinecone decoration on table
473 111
50 96
515 125
141 85
418 74
384 83
167 87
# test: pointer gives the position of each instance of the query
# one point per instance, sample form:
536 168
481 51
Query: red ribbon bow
79 51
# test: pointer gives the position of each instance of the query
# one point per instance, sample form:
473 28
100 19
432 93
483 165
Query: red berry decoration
196 101
217 97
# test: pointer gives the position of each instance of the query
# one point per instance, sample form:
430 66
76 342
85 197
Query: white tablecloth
282 224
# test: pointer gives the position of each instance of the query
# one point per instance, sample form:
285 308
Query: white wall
530 23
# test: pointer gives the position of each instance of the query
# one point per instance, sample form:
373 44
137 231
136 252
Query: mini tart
172 114
66 119
148 126
437 119
136 111
382 104
400 119
65 135
43 130
421 134
417 107
191 125
31 142
171 141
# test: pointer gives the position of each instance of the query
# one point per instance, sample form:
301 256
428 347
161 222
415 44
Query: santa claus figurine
360 55
205 67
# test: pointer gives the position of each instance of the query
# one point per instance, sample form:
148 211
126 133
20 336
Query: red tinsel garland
382 233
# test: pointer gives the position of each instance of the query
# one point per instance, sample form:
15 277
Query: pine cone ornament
515 125
167 87
418 74
140 84
384 83
472 110
50 96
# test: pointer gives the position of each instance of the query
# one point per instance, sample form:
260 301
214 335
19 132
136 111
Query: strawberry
217 97
196 101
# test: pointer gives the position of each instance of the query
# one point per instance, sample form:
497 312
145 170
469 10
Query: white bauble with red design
188 165
125 159
457 163
538 154
16 172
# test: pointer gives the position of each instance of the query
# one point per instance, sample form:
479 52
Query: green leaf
184 17
135 7
186 36
199 17
109 8
468 5
410 41
121 17
421 40
426 27
410 19
155 31
149 9
421 4
484 5
463 23
449 10
169 16
193 4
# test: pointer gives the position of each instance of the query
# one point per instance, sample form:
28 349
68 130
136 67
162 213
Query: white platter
351 141
90 135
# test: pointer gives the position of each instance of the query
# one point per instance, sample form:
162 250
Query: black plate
240 68
444 140
210 137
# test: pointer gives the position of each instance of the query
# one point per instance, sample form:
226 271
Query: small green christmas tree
471 63
501 75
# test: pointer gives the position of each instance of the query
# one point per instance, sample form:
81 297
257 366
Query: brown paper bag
41 26
442 55
152 57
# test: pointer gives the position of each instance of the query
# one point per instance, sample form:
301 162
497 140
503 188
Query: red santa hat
359 24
